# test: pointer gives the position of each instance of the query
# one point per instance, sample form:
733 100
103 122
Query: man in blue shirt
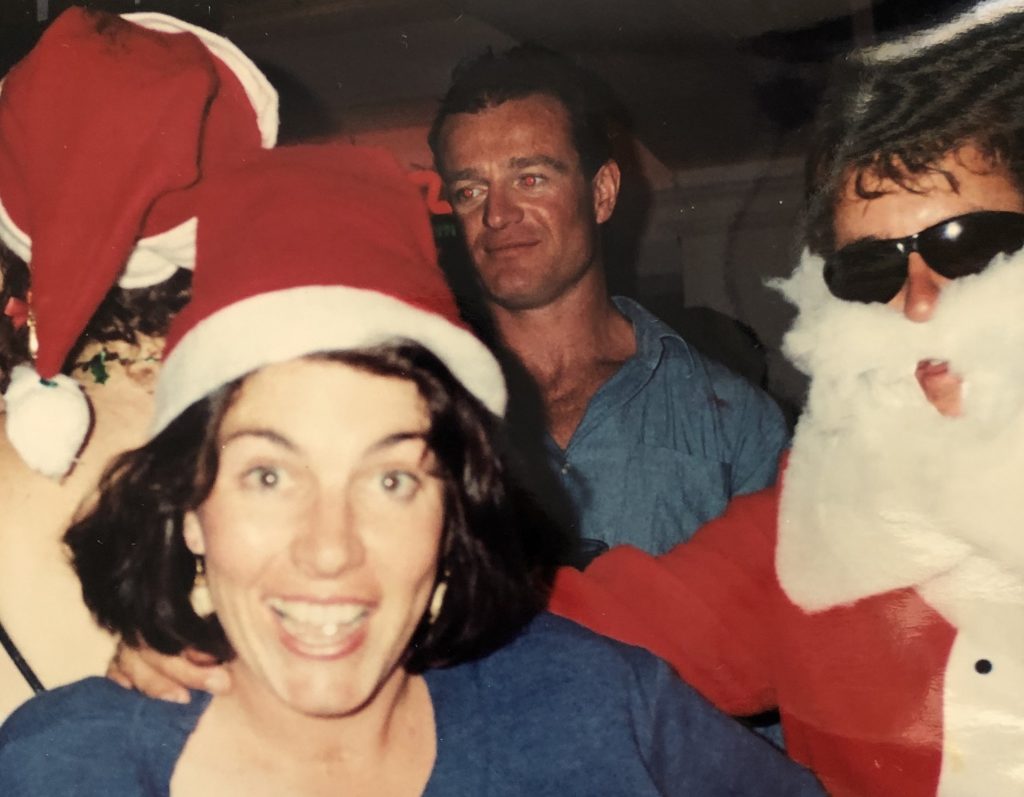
649 438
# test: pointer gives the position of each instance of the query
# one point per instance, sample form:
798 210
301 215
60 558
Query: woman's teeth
325 620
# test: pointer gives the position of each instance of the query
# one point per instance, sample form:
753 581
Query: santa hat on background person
985 14
313 249
106 129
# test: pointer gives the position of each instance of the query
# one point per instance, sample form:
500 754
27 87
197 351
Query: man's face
899 212
528 212
883 488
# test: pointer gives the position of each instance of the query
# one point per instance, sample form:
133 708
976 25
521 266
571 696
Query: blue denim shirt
666 442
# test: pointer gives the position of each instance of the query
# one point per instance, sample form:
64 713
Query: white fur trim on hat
12 235
908 46
156 257
287 324
47 420
261 94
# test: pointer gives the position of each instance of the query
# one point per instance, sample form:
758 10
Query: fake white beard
882 491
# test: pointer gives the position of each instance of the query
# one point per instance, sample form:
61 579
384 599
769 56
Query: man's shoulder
646 325
731 392
683 365
676 356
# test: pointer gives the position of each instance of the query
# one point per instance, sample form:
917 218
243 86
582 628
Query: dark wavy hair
122 315
489 79
897 117
137 573
126 313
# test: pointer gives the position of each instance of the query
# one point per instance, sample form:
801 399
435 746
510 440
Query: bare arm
167 677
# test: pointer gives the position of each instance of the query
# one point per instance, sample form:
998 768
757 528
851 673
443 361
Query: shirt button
566 468
983 666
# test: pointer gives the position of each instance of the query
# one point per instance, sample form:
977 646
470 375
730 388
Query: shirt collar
650 332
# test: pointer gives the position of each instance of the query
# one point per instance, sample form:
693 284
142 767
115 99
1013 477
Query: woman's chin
325 695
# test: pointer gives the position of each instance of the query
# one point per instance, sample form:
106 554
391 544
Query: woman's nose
329 542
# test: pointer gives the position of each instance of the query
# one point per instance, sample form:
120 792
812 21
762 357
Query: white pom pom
47 420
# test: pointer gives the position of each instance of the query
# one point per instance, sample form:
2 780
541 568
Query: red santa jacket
859 687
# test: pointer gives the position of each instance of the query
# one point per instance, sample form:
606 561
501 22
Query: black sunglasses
874 270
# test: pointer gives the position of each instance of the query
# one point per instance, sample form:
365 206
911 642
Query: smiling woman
296 504
332 494
325 505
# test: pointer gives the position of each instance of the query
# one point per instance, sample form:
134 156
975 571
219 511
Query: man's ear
606 190
193 534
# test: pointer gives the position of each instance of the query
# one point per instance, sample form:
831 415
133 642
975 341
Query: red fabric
859 687
100 118
314 215
231 133
98 123
430 183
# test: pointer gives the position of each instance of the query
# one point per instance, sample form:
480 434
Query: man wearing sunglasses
876 595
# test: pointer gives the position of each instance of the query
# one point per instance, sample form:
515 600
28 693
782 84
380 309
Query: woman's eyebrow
395 439
276 438
264 434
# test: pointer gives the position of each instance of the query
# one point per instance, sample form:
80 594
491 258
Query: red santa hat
912 45
106 128
312 249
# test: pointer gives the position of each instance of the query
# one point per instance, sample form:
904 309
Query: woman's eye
262 477
399 483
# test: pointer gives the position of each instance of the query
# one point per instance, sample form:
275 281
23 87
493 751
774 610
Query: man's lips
941 386
508 247
928 369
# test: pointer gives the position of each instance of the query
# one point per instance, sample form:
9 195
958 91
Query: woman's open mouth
319 629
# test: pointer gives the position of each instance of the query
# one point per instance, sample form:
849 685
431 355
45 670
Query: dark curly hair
489 79
126 313
897 117
137 573
122 315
